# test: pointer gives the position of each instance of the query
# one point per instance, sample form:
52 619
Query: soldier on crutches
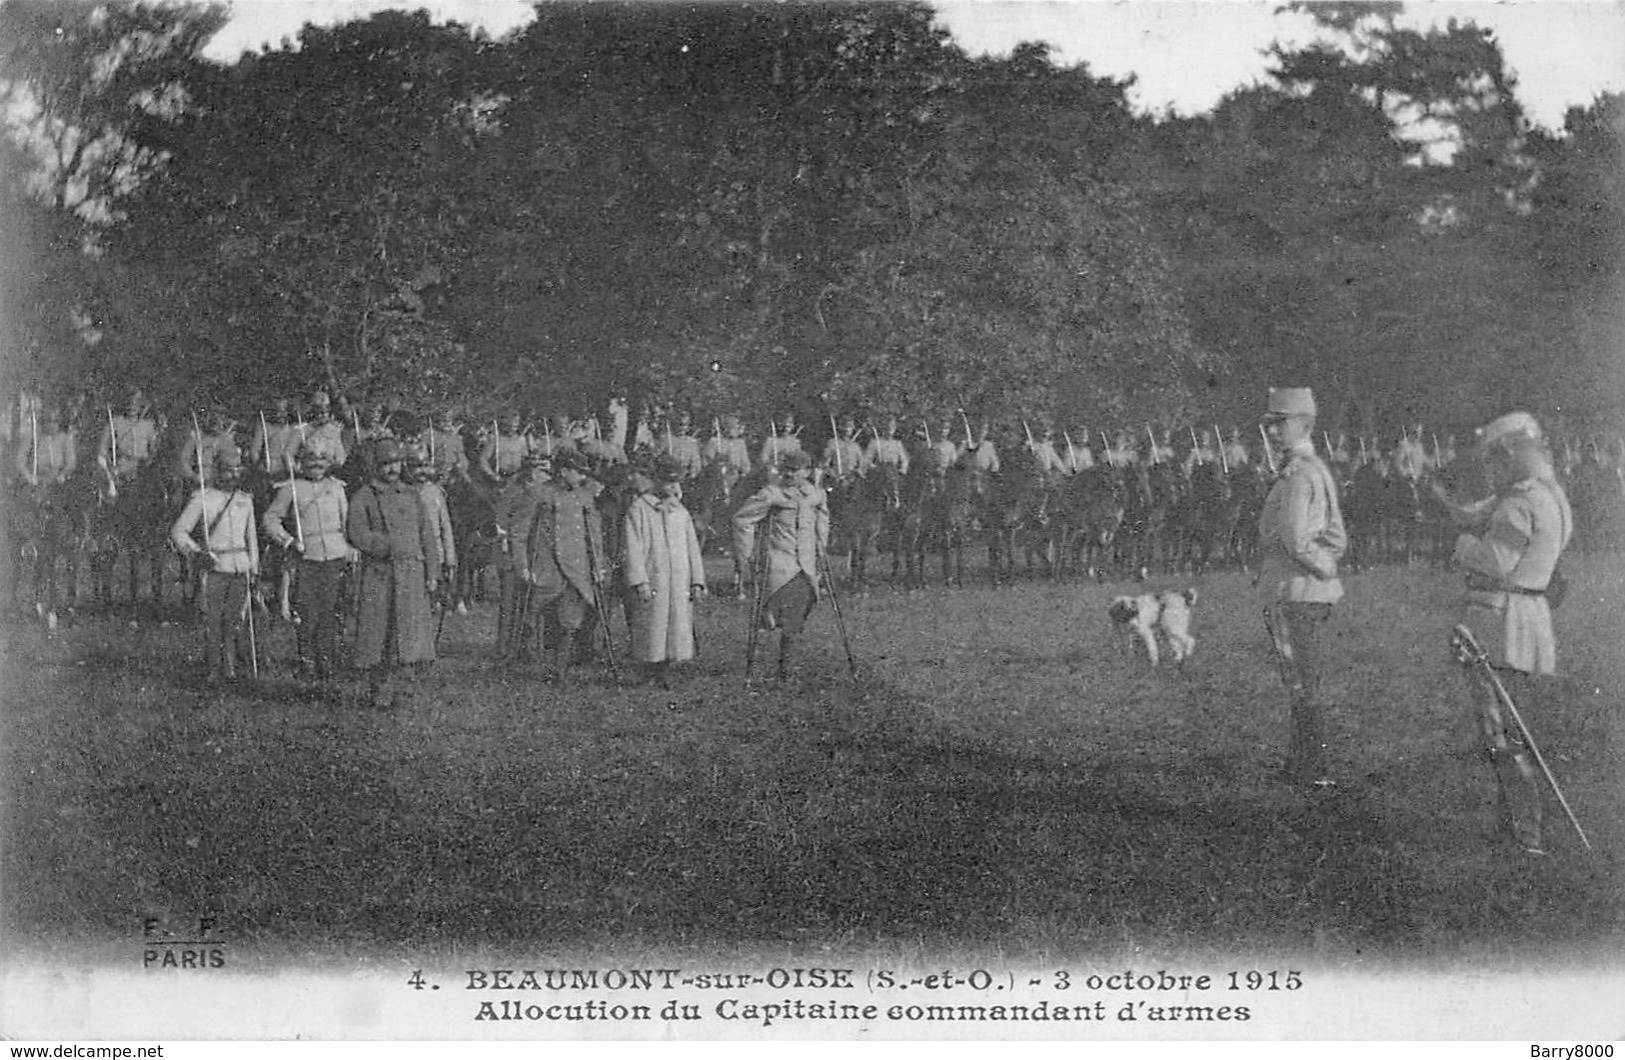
796 517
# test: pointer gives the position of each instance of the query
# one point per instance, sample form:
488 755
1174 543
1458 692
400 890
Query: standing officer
1510 566
400 568
797 516
1301 539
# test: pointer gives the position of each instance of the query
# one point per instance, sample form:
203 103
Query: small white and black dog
1169 612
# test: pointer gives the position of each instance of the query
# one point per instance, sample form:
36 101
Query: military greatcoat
400 553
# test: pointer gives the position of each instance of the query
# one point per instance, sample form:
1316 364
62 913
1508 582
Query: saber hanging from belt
835 437
265 441
1269 454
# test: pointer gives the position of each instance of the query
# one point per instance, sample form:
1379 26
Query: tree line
759 204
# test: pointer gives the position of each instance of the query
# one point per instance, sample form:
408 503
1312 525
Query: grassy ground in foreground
1005 779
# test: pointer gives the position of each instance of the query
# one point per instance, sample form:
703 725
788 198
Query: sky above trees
1184 55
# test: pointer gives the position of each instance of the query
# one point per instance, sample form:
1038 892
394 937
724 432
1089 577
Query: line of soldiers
486 455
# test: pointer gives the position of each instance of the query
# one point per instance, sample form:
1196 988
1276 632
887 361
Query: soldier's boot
786 649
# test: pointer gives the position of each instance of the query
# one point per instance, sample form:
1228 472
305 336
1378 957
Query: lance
1218 442
301 427
293 494
716 427
1362 449
597 431
355 420
927 425
265 441
1269 455
773 435
1071 456
970 442
33 436
1435 450
1153 439
669 448
112 437
248 606
432 433
1327 439
547 432
1195 445
1029 432
835 436
197 450
1106 447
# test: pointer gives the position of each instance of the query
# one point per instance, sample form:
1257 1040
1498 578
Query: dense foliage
752 204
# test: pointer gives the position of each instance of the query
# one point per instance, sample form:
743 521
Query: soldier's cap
388 451
572 458
228 458
1290 401
794 460
666 468
1510 431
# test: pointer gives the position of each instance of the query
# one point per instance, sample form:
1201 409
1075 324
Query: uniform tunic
137 440
227 520
1528 530
1047 458
390 528
1301 538
323 511
275 446
446 452
845 456
797 534
888 451
1301 535
662 552
686 448
439 513
502 456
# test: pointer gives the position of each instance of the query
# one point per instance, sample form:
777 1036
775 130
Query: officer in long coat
665 572
1301 539
400 567
797 517
1510 564
557 545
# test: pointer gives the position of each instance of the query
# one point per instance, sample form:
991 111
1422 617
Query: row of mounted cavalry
909 530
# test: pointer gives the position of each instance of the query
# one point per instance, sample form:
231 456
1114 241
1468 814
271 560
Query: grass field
1004 779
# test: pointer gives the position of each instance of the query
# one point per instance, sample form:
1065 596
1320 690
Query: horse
939 510
474 528
1151 491
1088 515
1014 500
860 508
132 522
1209 516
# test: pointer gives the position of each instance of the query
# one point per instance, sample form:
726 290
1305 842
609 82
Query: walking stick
758 565
598 598
835 606
1474 657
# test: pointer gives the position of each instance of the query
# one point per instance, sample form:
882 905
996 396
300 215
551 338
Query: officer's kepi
1290 401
